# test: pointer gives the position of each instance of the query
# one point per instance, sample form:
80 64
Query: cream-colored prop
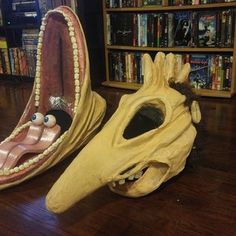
135 164
62 87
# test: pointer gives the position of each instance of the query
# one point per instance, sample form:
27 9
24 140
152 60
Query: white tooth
51 148
37 98
40 156
131 177
122 181
16 169
36 159
66 17
72 33
76 98
1 172
6 171
21 167
77 89
36 103
76 64
60 139
74 46
75 52
138 175
26 164
71 28
42 26
77 82
76 75
39 46
40 40
37 74
46 152
37 79
73 39
12 171
113 184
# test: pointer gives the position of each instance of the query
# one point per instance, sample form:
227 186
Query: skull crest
134 163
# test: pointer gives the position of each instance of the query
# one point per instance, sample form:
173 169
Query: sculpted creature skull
62 90
135 163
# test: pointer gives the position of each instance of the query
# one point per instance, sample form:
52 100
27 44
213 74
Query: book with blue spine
200 71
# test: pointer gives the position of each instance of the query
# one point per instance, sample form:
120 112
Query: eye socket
49 121
146 119
37 118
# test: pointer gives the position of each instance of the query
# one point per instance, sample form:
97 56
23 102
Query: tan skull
135 165
62 82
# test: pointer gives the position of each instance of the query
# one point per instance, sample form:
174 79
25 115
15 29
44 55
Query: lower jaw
34 165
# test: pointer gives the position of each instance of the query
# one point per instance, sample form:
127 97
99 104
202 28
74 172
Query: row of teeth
75 58
130 178
27 164
16 132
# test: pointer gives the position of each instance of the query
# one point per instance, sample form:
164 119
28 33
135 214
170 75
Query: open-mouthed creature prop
145 143
65 112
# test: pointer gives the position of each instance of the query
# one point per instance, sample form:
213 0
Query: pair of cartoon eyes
39 119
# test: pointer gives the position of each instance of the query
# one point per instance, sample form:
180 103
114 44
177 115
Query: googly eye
49 121
37 118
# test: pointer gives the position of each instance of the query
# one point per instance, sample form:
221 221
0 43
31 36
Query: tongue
49 135
32 137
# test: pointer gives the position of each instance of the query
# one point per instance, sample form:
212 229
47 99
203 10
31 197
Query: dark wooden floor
200 201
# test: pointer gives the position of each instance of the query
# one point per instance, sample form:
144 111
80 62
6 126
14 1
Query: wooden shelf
172 8
124 85
184 50
200 92
213 93
179 49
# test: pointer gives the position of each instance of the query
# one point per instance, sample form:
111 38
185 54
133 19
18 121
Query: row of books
195 2
208 71
143 3
29 45
132 3
126 67
173 29
17 61
20 60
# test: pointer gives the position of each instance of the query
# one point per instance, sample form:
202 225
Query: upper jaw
42 92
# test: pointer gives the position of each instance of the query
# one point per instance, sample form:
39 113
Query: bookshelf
213 53
19 27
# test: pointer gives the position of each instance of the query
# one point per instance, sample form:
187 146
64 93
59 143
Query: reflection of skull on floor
145 142
65 112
